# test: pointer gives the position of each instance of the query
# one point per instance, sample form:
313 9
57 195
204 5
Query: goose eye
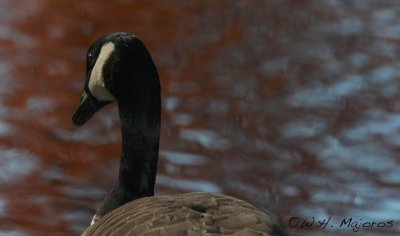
90 59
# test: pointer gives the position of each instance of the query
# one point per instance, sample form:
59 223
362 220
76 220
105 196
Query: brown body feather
184 214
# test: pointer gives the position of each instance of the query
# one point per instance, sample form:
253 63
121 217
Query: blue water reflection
290 105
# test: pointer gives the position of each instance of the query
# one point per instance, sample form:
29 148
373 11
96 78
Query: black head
118 66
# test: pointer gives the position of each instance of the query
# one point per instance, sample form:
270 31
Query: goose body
119 68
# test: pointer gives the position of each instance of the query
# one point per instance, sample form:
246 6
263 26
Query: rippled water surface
290 105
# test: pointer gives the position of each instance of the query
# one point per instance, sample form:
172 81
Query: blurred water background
290 105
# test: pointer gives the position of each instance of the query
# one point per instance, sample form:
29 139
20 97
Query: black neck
140 123
140 144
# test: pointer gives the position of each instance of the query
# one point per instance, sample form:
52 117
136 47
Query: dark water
290 105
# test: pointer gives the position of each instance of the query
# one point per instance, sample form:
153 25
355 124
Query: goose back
194 213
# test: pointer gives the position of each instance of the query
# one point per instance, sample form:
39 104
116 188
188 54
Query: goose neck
140 144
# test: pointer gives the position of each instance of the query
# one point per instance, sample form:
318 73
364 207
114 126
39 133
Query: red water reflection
290 105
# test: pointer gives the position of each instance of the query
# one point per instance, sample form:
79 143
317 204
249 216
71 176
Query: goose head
118 68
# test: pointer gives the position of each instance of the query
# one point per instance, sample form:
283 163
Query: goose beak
89 105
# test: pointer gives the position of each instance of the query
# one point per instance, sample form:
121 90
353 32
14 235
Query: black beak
89 105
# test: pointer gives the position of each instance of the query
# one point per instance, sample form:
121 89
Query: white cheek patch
96 82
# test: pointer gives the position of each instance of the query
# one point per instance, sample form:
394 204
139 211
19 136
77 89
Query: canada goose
119 68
